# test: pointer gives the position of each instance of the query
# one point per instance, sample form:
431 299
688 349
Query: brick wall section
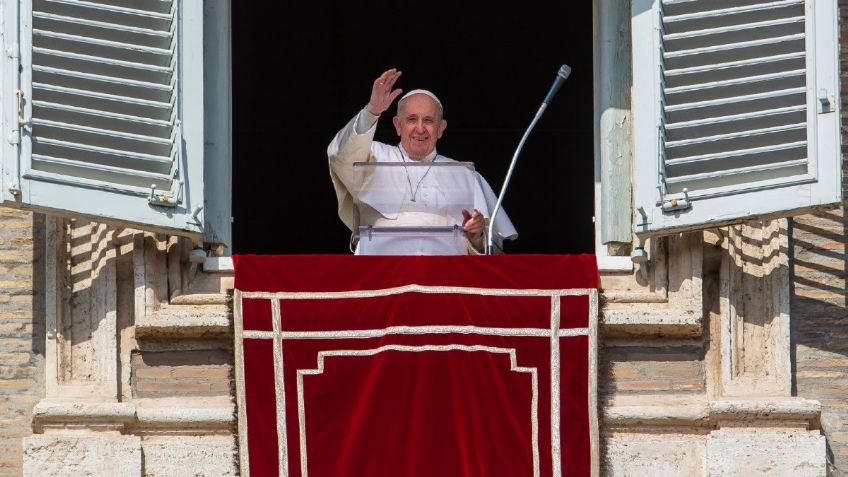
819 312
21 331
662 369
182 373
820 324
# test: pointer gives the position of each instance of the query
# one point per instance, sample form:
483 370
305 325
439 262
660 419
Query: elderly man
419 124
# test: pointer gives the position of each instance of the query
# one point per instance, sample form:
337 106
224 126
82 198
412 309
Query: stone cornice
55 415
766 412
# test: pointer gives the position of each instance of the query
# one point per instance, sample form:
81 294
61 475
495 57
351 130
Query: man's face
419 125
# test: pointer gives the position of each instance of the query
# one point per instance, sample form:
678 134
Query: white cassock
427 193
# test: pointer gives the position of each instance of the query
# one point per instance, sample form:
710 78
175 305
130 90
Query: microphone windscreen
564 71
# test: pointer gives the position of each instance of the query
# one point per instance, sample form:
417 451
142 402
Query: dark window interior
299 74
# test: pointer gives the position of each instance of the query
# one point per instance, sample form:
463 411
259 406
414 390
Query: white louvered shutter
735 110
109 94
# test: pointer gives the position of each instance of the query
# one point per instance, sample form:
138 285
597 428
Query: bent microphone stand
562 74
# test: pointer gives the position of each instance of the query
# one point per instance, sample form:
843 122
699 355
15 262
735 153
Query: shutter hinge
169 198
825 101
195 216
15 134
669 205
14 138
642 219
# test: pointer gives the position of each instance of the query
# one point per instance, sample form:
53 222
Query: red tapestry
416 366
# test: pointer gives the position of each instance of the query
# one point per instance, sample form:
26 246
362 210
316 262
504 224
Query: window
735 106
104 111
490 66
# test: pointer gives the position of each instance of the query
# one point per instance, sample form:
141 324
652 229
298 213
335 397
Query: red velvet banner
417 366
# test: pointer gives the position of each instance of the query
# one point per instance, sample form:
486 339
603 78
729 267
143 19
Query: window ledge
218 265
605 264
608 263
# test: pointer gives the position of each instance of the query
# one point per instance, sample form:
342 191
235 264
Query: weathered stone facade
21 331
819 292
135 374
726 354
820 325
683 399
695 357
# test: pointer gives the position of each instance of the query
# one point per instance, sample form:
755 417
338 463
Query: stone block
181 373
197 456
54 455
766 453
656 455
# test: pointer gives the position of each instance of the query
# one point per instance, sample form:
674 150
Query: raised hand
382 95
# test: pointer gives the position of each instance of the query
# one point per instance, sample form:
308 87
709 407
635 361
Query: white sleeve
349 146
485 201
365 121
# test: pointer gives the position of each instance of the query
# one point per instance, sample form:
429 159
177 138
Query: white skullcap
422 91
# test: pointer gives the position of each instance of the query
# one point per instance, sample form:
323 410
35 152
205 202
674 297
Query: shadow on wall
820 324
39 240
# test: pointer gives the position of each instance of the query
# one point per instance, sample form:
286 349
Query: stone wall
653 367
819 290
820 324
202 372
137 380
21 331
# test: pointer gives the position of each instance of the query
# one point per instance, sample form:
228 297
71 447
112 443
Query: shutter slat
736 117
105 79
143 158
100 172
99 42
733 46
735 81
102 59
105 103
729 11
102 114
734 135
100 24
111 8
733 28
77 181
734 64
105 132
736 99
96 120
97 94
731 154
737 172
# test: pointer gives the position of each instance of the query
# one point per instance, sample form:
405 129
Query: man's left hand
474 223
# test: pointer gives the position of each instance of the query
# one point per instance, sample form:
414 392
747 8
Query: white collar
428 157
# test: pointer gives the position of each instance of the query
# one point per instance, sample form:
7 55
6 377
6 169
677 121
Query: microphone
562 75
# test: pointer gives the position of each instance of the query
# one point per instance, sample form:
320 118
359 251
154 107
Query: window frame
823 135
99 204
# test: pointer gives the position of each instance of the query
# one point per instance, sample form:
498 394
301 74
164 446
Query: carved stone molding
754 331
81 311
663 297
662 412
111 294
